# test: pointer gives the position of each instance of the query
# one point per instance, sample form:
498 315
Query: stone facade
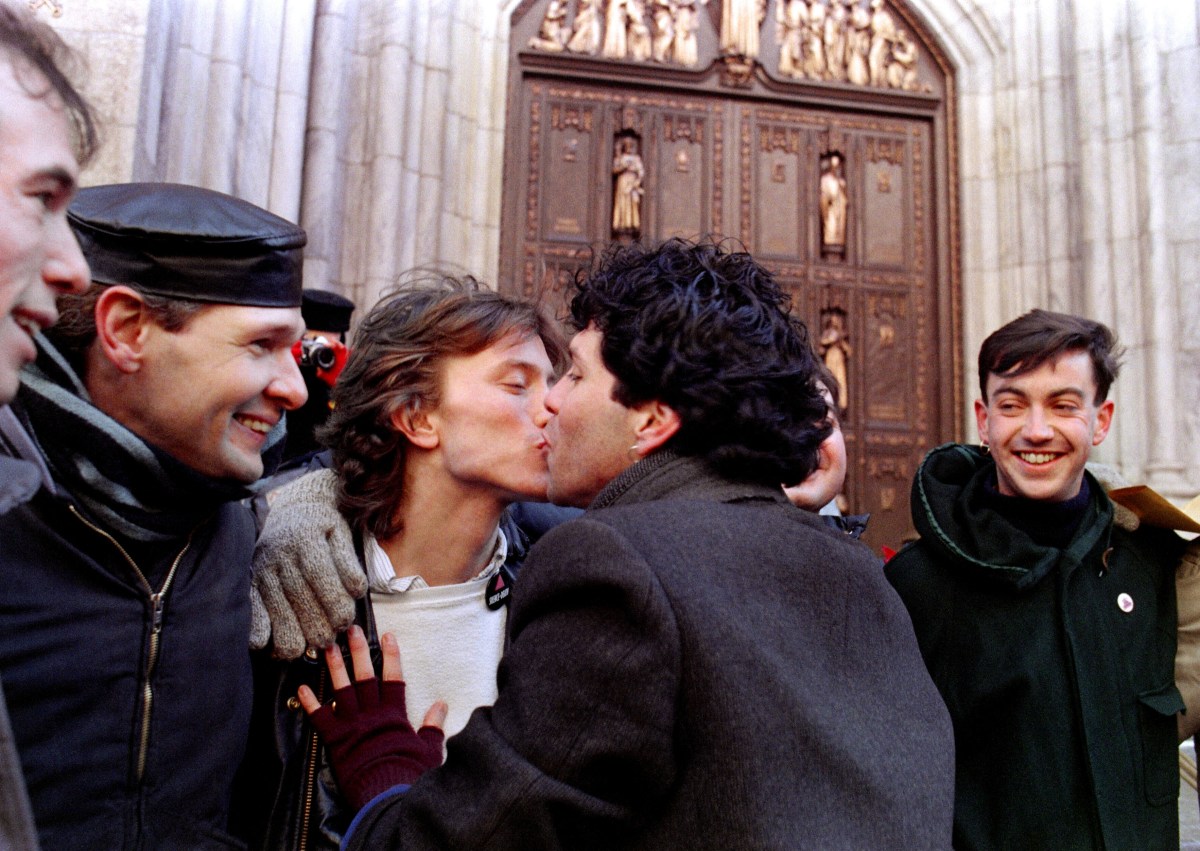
379 125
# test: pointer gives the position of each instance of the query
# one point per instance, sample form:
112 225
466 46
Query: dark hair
394 365
706 331
1040 336
31 45
75 330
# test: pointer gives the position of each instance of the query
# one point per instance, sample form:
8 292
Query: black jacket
127 676
1057 666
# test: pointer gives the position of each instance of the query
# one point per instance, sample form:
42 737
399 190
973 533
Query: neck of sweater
1048 524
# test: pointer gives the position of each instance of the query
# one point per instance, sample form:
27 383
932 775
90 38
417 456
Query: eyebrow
1061 391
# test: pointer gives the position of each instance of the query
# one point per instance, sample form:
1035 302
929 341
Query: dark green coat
1063 702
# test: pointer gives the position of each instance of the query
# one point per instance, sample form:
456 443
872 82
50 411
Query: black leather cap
326 311
186 242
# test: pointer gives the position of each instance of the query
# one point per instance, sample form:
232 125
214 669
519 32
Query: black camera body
317 354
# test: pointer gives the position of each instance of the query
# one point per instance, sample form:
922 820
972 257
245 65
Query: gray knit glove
306 573
1110 479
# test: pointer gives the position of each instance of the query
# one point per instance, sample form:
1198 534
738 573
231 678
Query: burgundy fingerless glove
372 746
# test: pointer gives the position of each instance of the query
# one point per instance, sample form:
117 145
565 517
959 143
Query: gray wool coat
694 663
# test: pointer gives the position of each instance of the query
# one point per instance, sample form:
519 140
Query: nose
554 398
541 414
1037 425
287 385
65 269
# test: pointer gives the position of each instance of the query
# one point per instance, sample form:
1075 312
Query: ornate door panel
836 175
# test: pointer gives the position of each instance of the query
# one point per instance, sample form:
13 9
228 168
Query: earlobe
414 423
122 327
657 423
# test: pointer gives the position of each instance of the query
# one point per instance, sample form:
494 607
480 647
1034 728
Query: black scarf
128 486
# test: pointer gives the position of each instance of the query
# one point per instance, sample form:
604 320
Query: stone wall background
379 126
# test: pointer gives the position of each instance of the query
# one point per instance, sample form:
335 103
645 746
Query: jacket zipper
310 781
157 602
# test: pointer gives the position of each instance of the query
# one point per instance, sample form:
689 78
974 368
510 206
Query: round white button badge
1125 603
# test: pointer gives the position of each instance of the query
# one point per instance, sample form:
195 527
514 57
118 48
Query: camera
323 358
316 353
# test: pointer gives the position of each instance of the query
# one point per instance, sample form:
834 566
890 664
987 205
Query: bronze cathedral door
817 133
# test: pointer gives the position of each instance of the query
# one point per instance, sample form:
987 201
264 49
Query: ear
414 423
981 420
1104 416
654 424
123 326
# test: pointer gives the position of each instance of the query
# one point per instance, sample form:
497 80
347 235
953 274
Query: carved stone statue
627 193
664 30
638 35
814 53
740 22
858 43
791 21
834 346
554 32
902 72
614 30
586 37
833 204
687 23
835 39
883 34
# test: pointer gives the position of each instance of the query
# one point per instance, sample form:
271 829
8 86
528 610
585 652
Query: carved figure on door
834 346
627 192
834 202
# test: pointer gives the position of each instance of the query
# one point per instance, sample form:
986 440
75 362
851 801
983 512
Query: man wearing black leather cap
126 610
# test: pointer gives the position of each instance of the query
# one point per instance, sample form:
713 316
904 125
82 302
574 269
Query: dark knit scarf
129 487
1048 524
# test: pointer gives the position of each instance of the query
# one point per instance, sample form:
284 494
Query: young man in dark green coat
1049 630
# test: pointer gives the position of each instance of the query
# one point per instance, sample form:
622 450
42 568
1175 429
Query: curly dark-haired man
693 663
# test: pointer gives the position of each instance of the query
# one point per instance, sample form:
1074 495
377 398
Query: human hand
372 746
306 573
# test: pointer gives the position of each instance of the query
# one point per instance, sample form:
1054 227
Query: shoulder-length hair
395 365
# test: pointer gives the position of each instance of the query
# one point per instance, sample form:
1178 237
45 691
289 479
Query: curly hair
31 46
706 331
1040 336
395 364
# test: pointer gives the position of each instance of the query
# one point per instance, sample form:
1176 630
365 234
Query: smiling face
590 437
489 418
209 393
39 256
1041 427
